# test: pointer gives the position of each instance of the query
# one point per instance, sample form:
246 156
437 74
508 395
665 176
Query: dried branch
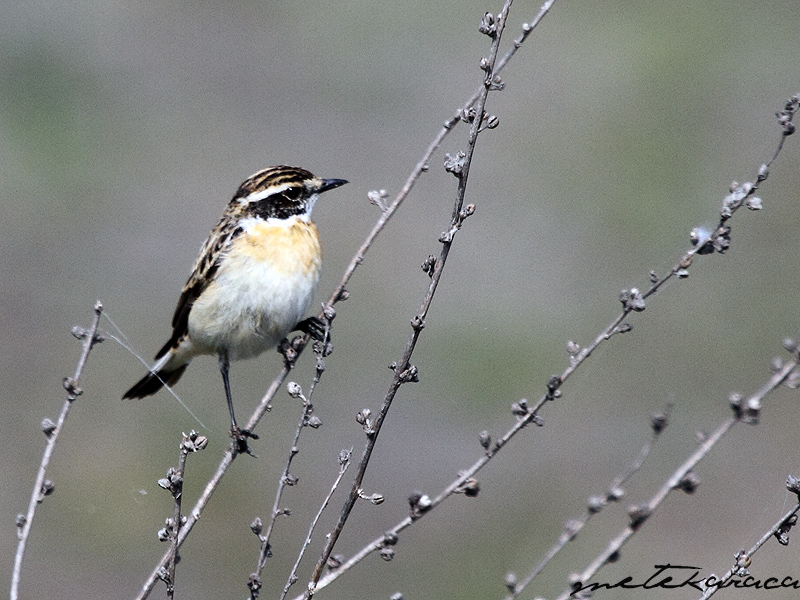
344 463
632 301
193 442
682 478
404 371
340 292
44 487
307 419
744 559
188 524
596 504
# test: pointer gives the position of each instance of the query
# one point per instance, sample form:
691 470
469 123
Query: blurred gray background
126 127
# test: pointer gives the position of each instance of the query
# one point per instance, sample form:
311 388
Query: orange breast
286 248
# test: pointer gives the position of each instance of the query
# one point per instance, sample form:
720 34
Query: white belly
250 306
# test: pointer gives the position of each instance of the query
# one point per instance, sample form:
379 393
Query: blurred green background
125 128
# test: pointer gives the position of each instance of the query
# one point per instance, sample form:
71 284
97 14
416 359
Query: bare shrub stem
42 487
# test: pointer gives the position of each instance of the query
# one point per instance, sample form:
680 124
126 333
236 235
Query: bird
252 283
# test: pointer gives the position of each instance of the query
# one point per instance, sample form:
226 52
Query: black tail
152 382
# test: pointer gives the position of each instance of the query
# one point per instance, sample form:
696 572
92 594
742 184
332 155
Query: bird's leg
239 435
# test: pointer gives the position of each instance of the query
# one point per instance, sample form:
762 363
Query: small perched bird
252 283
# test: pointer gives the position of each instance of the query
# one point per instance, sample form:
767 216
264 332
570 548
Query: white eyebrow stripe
261 194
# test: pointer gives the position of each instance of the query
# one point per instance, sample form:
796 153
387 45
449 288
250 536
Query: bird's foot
315 327
240 437
320 332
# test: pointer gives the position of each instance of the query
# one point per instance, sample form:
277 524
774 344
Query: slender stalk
340 291
743 559
638 515
344 463
42 487
529 413
404 371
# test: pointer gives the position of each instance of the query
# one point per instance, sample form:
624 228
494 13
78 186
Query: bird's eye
293 193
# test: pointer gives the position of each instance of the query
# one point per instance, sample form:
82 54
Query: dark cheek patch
279 206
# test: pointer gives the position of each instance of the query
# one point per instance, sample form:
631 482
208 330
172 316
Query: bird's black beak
329 184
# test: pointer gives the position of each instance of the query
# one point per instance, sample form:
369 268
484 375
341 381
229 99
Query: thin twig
423 164
286 479
743 412
633 301
176 483
212 484
744 559
193 442
43 487
344 463
187 526
405 372
340 292
615 492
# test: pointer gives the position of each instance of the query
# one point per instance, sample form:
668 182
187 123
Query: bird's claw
240 437
315 327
